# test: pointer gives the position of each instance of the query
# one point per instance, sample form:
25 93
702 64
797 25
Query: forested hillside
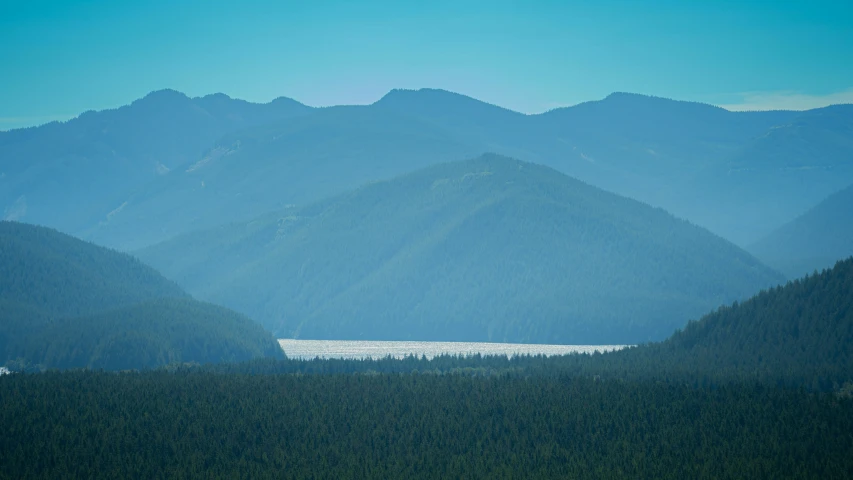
799 333
61 275
813 241
65 303
490 249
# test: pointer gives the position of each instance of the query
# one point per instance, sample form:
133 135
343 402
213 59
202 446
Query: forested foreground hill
489 249
813 241
799 334
72 175
203 425
147 335
65 303
59 274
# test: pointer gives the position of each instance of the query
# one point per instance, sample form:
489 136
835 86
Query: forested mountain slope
490 249
67 303
799 333
146 335
59 274
813 241
72 175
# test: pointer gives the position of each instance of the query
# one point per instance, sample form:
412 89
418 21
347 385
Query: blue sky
61 58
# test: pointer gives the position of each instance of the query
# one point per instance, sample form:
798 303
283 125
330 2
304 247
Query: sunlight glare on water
358 349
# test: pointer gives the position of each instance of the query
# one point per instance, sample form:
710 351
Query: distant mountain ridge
814 240
71 175
740 174
65 303
489 249
799 333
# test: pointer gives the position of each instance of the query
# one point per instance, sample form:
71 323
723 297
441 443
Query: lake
358 349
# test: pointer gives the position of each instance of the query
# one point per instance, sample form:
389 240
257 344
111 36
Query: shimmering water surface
307 349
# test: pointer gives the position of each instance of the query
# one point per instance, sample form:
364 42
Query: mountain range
168 164
246 205
488 249
75 174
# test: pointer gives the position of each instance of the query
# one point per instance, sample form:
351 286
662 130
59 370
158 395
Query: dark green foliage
491 249
798 334
65 303
805 326
813 241
147 335
197 425
61 275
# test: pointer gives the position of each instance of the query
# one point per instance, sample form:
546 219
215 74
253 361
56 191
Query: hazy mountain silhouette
71 175
740 174
66 303
778 175
292 161
813 241
490 249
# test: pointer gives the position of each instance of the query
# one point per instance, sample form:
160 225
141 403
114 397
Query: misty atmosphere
449 240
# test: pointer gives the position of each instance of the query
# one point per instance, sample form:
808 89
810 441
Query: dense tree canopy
203 425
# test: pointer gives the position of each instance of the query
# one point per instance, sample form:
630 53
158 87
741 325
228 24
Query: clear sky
60 58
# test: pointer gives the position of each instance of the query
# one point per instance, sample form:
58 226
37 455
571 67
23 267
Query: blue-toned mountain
489 249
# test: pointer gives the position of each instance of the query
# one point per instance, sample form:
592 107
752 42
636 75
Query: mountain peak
287 101
420 94
437 102
639 99
216 96
161 98
167 93
628 95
